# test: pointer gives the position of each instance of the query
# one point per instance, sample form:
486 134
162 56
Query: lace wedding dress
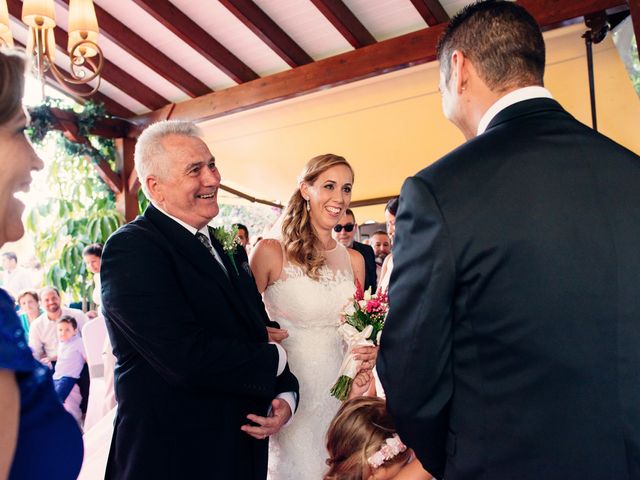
310 310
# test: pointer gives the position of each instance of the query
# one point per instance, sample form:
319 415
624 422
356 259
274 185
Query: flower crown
392 446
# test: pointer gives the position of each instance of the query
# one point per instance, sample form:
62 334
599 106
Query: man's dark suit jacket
192 356
370 275
512 348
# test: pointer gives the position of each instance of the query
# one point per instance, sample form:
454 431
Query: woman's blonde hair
359 430
12 70
301 243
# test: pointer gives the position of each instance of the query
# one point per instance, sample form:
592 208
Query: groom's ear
154 188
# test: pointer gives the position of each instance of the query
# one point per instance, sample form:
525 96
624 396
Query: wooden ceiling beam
146 53
431 11
197 38
345 22
382 57
268 31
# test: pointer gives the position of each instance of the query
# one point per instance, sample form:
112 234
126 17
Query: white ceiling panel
222 25
309 28
387 18
134 17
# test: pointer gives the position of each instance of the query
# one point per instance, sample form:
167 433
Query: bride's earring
308 205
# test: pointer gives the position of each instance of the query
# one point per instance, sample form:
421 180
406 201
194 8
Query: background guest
35 430
92 255
43 335
344 232
381 244
15 278
387 266
71 360
29 303
243 235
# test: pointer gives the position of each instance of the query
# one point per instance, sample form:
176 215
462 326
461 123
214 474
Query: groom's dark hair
502 40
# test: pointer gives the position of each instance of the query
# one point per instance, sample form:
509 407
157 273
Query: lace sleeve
14 352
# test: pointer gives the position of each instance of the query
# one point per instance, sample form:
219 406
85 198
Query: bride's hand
366 356
277 334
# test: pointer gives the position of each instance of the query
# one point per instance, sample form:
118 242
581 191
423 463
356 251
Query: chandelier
85 57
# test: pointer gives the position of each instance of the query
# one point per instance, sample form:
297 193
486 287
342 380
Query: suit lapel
234 278
192 250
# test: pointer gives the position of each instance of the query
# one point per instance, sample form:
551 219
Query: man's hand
277 334
280 414
366 356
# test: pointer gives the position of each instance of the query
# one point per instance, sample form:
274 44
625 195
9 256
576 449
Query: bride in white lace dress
307 278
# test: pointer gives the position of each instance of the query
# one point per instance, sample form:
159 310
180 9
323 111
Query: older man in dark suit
511 348
199 386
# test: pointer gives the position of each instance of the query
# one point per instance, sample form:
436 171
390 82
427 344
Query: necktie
207 243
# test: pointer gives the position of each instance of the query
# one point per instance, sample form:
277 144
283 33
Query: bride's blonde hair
301 243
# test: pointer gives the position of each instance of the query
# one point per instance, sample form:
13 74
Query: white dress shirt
519 95
43 333
71 358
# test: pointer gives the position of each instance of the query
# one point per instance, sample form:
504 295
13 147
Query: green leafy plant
80 208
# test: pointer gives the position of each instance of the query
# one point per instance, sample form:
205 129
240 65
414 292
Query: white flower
367 294
363 304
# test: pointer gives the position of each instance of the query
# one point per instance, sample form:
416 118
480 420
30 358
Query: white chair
93 337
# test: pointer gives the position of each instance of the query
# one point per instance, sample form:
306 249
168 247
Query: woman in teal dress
29 304
38 438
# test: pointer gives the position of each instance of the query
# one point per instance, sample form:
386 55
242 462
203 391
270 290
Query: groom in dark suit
199 386
511 350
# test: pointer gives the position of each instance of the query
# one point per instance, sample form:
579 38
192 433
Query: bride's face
329 196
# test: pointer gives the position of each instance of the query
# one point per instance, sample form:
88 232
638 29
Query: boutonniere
228 240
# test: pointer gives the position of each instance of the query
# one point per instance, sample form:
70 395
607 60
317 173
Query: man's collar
519 95
193 230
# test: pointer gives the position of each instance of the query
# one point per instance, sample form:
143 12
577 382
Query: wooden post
634 6
127 198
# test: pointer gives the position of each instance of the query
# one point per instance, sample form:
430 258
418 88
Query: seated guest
363 444
35 431
381 244
43 336
344 232
29 303
71 360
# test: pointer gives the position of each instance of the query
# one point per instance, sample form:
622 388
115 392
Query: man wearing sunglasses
344 232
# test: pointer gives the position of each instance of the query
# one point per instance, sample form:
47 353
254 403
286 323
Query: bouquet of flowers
362 324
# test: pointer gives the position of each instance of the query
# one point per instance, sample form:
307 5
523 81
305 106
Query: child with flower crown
363 445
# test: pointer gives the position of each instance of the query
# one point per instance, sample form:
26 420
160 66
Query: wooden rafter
386 56
193 35
268 31
431 11
393 54
345 22
147 54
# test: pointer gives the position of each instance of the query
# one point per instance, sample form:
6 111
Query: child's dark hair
359 429
70 320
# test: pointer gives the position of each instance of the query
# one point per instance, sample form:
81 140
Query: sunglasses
347 228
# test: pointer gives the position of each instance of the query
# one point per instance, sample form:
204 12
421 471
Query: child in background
363 445
71 359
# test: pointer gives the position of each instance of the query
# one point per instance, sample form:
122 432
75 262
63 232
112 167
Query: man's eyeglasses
347 227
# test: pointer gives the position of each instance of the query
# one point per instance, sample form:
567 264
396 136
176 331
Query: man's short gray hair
150 155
